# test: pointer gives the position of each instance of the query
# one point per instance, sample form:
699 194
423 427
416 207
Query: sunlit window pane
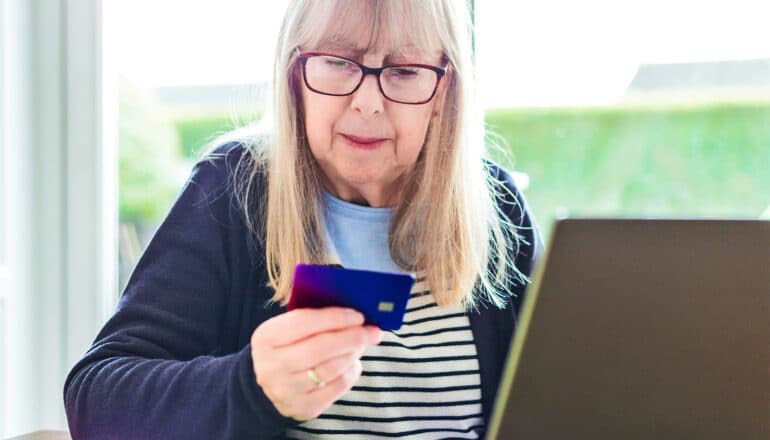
188 72
646 108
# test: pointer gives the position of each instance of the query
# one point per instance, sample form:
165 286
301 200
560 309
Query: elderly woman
374 161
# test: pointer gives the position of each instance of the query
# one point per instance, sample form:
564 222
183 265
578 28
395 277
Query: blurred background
614 108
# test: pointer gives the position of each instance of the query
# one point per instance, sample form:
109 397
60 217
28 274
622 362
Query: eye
402 72
340 64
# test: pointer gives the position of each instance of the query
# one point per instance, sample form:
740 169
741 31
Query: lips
363 140
363 143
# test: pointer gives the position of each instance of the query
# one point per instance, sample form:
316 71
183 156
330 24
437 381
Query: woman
374 161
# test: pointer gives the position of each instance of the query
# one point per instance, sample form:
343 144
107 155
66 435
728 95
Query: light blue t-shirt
358 235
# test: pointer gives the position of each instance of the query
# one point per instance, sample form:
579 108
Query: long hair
448 227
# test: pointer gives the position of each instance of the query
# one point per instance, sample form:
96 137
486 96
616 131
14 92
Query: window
3 232
177 91
646 108
597 114
53 192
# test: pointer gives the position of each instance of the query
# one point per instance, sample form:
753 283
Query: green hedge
702 161
197 131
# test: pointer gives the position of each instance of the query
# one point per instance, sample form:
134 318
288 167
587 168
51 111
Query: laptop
643 329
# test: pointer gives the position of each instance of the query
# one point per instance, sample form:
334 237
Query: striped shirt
422 381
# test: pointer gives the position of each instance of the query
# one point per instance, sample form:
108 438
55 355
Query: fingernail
355 318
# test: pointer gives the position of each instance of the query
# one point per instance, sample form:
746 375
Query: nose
368 99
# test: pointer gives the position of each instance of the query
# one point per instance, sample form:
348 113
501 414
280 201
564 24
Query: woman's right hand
328 341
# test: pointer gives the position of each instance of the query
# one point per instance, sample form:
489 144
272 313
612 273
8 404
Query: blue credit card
380 296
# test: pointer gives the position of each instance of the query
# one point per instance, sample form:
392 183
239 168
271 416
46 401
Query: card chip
385 306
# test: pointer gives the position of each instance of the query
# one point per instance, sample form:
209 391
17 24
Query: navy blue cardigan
174 360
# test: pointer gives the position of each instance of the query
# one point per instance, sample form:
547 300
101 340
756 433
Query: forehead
361 27
358 49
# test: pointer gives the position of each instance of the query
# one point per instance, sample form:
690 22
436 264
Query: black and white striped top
421 382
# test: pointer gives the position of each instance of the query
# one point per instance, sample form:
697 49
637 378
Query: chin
359 177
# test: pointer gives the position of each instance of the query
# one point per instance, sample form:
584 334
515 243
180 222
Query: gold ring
314 377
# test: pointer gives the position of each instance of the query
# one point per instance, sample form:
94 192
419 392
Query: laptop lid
643 329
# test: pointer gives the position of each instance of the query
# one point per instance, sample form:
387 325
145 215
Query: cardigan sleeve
158 368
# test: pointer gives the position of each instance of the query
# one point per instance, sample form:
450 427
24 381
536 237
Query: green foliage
197 131
705 161
151 166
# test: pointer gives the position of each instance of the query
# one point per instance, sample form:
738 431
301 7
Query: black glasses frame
366 70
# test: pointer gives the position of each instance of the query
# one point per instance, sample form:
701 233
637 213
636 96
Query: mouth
366 143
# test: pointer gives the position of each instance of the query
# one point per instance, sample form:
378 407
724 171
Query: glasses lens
410 84
332 75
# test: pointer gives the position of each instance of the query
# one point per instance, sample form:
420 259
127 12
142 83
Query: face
365 144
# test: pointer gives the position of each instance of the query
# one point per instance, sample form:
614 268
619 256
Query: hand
328 341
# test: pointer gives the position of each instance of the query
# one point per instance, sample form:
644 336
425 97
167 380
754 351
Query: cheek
412 128
318 124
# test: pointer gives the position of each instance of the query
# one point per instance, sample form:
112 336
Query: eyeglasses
334 75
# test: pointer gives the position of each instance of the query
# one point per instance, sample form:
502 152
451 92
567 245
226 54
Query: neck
373 195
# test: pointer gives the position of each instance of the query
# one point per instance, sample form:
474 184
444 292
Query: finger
326 372
321 398
298 384
298 324
332 391
324 346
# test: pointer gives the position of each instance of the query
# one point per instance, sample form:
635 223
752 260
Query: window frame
60 183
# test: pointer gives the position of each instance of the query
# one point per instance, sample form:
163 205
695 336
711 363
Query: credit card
380 296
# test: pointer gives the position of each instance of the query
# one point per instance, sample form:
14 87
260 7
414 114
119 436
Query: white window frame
60 203
3 223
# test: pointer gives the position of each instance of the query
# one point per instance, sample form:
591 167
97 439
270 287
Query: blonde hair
448 225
